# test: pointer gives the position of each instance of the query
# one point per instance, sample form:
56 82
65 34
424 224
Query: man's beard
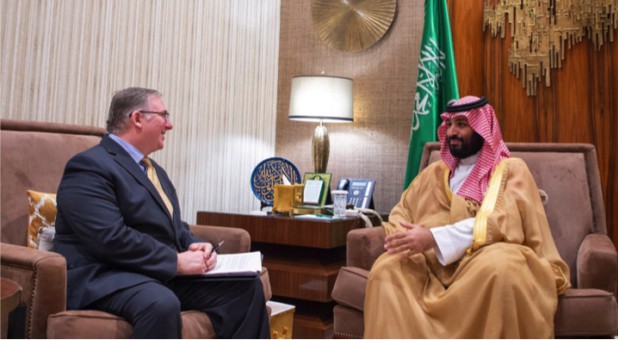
466 149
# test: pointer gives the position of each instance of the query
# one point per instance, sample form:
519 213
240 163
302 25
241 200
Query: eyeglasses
164 114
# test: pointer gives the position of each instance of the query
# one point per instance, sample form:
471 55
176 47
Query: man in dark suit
125 243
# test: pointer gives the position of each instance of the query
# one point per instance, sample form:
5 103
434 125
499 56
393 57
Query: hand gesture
191 262
415 239
199 259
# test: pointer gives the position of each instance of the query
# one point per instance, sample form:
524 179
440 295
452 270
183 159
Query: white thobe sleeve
453 240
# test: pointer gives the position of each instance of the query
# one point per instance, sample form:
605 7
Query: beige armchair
568 176
33 157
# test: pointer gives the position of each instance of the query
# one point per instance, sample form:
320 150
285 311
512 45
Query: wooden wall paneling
516 113
491 74
606 138
580 106
545 108
572 84
612 155
466 26
602 103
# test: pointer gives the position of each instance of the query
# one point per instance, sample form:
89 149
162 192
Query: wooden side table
11 296
303 257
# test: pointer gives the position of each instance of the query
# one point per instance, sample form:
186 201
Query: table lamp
323 99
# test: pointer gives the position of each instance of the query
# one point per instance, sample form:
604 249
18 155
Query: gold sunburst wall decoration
352 25
543 29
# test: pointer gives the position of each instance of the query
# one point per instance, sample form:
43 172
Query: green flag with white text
436 83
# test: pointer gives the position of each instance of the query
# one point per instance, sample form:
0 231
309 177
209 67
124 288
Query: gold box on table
281 320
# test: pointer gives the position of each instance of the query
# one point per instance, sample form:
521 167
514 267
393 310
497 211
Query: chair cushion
349 289
586 312
196 325
92 324
41 213
87 324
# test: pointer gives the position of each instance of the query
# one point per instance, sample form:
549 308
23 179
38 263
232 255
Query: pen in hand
216 247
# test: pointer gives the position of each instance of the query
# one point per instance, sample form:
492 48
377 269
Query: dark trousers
237 309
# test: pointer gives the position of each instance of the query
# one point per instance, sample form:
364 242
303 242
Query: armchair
33 157
568 176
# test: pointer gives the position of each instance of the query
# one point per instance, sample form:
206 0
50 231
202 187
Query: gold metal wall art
542 30
352 25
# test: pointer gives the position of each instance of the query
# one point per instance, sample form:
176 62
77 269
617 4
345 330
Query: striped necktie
152 176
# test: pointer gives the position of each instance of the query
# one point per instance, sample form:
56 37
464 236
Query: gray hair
124 102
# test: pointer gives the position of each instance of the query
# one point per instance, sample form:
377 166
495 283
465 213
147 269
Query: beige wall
376 144
214 61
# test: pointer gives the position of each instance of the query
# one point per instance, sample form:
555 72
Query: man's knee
258 286
500 260
153 310
156 302
165 305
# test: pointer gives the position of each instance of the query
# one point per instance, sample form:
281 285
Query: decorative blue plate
270 172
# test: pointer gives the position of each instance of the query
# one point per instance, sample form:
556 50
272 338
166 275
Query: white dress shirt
454 239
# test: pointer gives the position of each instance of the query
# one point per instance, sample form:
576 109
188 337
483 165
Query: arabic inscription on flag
430 67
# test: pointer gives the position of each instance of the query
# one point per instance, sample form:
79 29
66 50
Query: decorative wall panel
544 30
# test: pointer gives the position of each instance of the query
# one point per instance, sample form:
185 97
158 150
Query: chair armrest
596 263
43 278
364 246
236 240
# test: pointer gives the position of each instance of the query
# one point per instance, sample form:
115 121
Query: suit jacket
112 225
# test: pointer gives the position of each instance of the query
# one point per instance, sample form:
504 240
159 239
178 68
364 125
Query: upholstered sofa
568 179
33 157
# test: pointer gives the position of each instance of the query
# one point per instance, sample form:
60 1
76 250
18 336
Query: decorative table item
352 25
271 171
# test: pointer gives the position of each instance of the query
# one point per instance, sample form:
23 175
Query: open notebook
236 266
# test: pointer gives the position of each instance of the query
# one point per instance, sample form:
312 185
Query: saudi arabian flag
436 83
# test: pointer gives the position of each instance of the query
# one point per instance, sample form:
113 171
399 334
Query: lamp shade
321 99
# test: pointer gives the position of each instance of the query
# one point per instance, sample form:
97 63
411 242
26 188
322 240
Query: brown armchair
33 157
568 176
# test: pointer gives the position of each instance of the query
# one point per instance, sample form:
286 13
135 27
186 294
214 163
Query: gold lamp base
321 148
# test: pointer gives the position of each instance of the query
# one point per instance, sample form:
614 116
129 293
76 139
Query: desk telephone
360 191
